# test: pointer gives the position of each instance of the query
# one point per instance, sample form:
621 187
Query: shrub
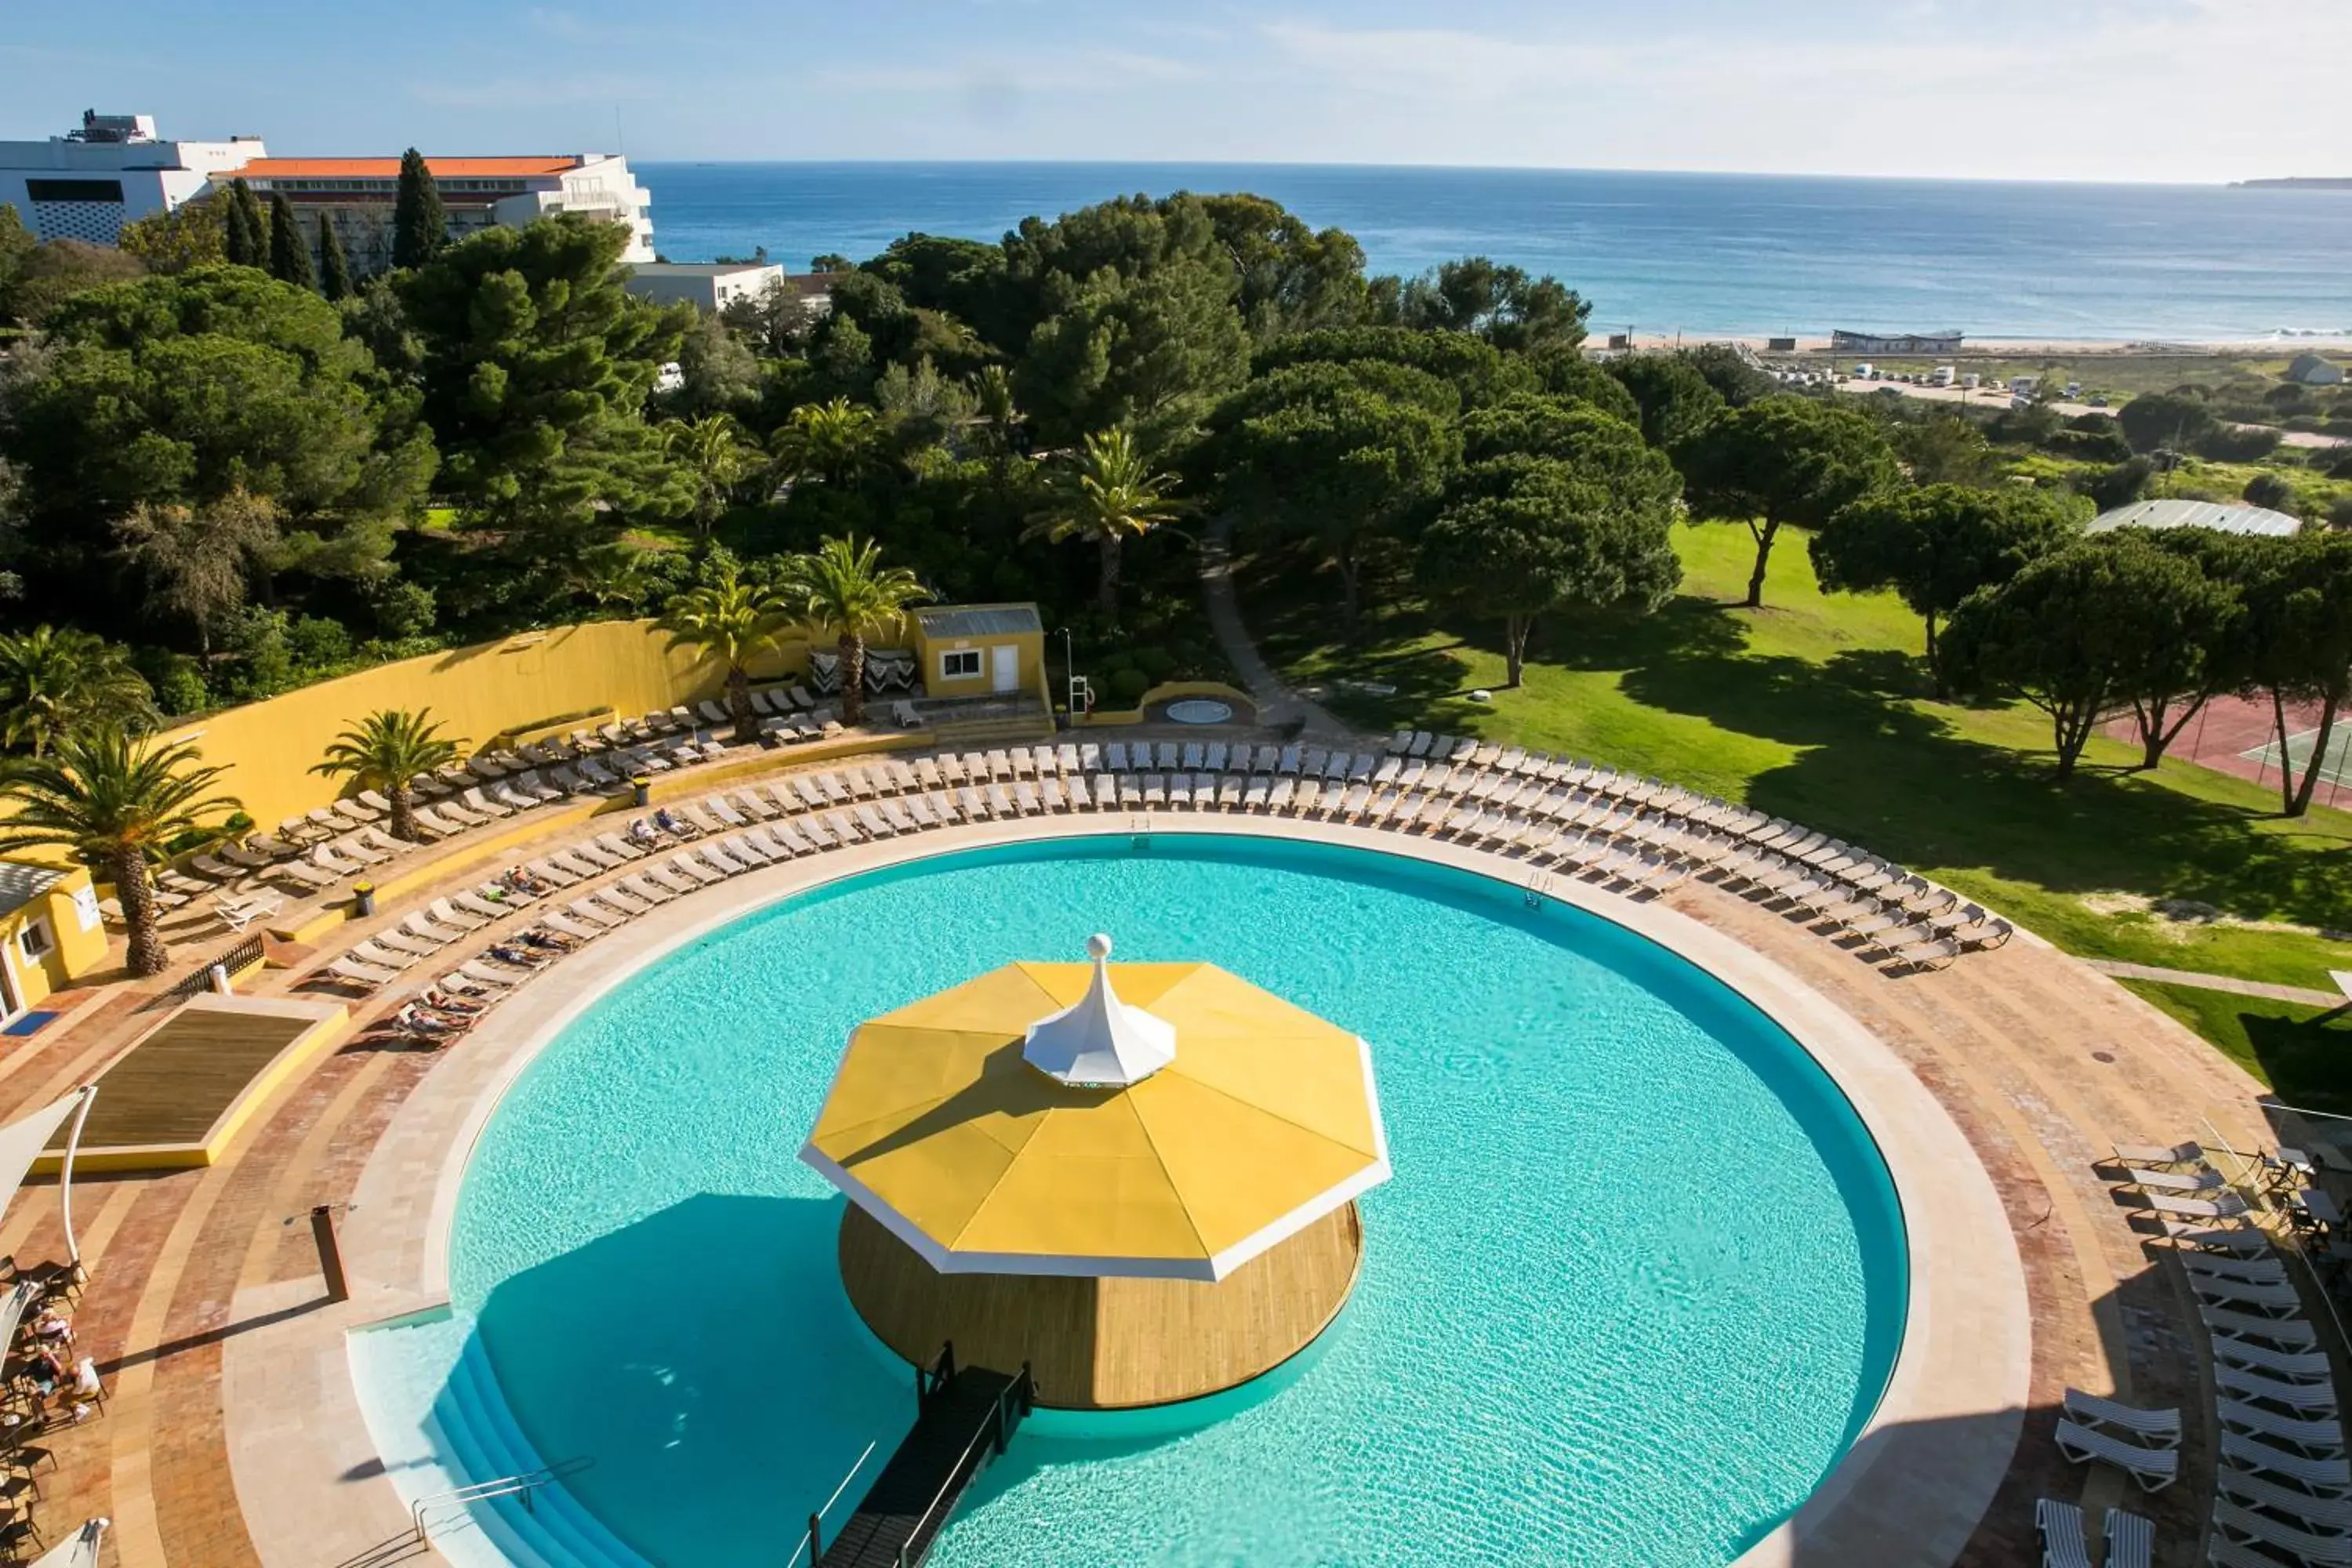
2120 486
1127 685
2238 443
2270 491
318 643
180 686
403 609
1156 663
2339 512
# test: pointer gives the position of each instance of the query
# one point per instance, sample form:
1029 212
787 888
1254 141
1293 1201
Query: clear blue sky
2133 89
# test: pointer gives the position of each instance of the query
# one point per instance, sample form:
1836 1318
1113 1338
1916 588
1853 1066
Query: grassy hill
1816 708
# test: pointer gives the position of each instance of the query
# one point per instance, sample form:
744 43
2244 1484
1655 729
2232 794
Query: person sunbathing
675 827
644 835
520 957
456 1007
553 941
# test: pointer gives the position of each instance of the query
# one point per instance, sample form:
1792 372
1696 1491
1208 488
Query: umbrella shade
1266 1120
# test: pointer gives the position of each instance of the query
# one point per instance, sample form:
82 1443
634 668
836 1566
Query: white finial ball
1098 946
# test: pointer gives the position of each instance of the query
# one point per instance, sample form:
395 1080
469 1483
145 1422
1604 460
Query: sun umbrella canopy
1174 1122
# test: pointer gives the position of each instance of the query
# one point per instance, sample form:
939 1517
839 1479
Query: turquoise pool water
1637 1282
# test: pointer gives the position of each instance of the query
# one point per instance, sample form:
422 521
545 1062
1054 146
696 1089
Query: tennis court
2238 735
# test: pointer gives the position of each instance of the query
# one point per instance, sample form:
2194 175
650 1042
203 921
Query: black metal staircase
964 1417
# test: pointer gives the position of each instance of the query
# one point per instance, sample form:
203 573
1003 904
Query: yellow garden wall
68 915
475 693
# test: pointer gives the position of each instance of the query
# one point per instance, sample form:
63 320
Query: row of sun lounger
2283 1485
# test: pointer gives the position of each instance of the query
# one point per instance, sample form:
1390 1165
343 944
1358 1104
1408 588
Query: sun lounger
2153 1469
1026 799
358 972
2256 1270
236 914
2172 1181
871 821
2242 1239
2275 1300
2303 1366
2320 1436
2062 1543
844 829
2285 1332
2331 1515
380 956
2313 1550
613 843
2244 1382
2156 1156
708 859
2225 1205
2131 1538
2160 1429
792 839
2254 1455
409 942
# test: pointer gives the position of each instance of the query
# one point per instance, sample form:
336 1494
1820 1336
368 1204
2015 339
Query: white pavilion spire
1098 1041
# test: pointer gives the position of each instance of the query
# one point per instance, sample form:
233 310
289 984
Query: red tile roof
389 168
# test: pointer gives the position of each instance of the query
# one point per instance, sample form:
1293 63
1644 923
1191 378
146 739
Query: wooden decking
181 1089
1103 1344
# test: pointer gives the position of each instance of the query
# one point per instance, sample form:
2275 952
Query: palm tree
1109 494
54 681
844 589
732 622
383 751
836 442
113 804
714 450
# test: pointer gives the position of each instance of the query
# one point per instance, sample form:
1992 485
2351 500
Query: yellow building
50 928
981 650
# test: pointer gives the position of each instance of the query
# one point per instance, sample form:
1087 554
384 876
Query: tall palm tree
383 751
113 803
53 681
837 442
1109 494
733 622
843 588
714 450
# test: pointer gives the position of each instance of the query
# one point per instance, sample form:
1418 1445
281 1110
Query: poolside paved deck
207 1316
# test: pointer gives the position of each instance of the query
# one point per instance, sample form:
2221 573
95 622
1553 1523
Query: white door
1004 667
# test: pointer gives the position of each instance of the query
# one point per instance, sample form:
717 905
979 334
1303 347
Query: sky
2068 89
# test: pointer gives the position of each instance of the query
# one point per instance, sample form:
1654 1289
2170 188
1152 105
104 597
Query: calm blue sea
1721 254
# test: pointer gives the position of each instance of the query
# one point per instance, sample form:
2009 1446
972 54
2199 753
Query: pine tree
334 270
419 227
243 243
289 253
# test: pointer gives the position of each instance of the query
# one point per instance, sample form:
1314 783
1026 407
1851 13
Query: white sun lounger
2288 1332
2247 1384
2227 1204
2173 1181
615 845
2261 1458
2275 1300
2303 1366
2131 1538
2153 1469
2223 1265
361 973
2062 1543
2313 1550
2320 1436
2159 1427
2332 1515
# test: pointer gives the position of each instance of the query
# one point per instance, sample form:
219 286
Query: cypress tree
289 253
334 272
419 226
242 238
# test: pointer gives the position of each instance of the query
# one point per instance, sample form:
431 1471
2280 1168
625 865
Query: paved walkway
2264 988
1277 704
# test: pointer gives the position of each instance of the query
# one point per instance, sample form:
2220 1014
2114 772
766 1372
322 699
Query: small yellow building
50 931
981 650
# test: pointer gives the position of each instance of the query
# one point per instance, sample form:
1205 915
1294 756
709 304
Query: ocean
1656 253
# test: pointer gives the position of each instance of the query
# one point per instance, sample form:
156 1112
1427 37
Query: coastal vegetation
224 471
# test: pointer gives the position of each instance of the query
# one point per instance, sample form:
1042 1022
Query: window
73 190
35 939
961 664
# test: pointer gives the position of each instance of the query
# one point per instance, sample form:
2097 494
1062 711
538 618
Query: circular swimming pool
1637 1283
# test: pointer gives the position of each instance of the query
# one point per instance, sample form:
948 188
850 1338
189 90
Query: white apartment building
357 196
87 184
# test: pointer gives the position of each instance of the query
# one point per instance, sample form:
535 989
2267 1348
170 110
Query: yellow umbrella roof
1264 1121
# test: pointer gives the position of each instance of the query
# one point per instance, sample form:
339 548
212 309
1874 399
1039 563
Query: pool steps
479 1438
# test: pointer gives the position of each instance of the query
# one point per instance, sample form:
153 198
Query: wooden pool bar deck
175 1097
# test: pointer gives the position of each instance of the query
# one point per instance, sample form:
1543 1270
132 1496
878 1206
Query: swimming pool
1637 1282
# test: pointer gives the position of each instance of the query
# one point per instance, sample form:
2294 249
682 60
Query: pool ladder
454 1504
1540 885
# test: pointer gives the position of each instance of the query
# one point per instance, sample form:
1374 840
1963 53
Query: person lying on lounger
518 955
550 941
417 1020
522 884
675 827
644 835
456 1007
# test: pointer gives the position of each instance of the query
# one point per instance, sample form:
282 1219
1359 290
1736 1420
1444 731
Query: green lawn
1815 709
2276 1041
